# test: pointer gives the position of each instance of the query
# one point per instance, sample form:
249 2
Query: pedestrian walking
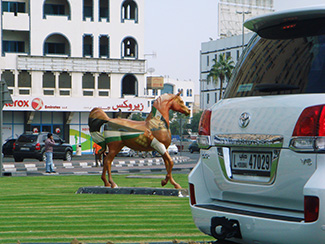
49 143
98 156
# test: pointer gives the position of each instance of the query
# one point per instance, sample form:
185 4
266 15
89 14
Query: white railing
97 65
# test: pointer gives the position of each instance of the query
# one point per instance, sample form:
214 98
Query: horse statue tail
96 119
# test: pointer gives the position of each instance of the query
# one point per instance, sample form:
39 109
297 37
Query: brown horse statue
151 134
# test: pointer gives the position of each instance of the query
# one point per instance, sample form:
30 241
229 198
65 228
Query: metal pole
1 116
243 33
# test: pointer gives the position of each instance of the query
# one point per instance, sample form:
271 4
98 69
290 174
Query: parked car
260 175
194 147
172 149
7 147
126 152
32 146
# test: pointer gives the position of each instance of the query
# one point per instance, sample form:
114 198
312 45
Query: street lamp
243 37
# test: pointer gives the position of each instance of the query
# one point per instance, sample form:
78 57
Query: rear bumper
263 230
256 224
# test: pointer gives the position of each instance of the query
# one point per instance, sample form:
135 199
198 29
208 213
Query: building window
54 48
88 84
180 90
228 55
13 46
88 10
104 10
64 80
168 89
129 48
104 84
104 46
129 85
208 98
24 81
48 80
129 11
208 60
215 97
60 9
56 44
87 46
13 7
64 84
104 81
54 9
8 77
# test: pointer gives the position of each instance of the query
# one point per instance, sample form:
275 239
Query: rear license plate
255 163
24 149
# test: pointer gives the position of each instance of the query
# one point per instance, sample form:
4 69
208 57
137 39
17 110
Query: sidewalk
82 167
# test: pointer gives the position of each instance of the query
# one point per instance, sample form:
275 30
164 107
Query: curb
118 166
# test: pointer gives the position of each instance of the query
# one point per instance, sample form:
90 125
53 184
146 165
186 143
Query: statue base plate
133 190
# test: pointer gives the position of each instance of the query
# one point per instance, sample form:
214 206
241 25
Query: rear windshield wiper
269 87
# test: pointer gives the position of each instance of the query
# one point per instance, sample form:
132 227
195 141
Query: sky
175 29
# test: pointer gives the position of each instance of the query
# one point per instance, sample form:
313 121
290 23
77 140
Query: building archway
56 44
129 11
129 48
129 85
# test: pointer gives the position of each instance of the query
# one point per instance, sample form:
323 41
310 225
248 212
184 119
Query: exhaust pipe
223 228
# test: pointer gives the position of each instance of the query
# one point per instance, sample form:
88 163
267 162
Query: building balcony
94 65
19 22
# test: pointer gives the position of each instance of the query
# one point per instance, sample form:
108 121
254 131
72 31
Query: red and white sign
57 130
35 130
37 104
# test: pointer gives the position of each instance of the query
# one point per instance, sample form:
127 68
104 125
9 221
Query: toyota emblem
244 119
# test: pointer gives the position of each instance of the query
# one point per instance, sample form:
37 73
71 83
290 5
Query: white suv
261 173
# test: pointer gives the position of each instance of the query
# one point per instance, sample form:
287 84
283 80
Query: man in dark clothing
49 142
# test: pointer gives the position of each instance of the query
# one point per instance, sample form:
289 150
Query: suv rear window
27 138
287 66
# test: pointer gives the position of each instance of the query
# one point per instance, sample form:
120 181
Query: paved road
85 164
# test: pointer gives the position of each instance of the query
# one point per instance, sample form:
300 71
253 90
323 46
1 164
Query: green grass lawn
46 209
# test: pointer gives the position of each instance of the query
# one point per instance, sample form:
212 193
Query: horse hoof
114 186
163 182
107 185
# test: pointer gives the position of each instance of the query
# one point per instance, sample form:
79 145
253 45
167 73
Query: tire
18 159
43 157
68 156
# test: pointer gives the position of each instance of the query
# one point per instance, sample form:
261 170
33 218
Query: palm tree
221 69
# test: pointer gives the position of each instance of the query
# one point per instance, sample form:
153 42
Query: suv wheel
18 159
43 157
68 156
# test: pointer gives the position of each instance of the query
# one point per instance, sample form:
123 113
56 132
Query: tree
194 125
137 116
220 70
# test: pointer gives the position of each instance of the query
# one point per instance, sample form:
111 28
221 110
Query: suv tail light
38 146
309 132
192 194
311 208
204 129
14 146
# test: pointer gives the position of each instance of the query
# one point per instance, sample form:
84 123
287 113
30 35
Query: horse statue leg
169 166
114 148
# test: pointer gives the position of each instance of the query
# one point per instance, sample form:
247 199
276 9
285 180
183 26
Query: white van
261 173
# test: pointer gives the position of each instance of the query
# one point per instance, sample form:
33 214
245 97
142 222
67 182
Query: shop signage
78 104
